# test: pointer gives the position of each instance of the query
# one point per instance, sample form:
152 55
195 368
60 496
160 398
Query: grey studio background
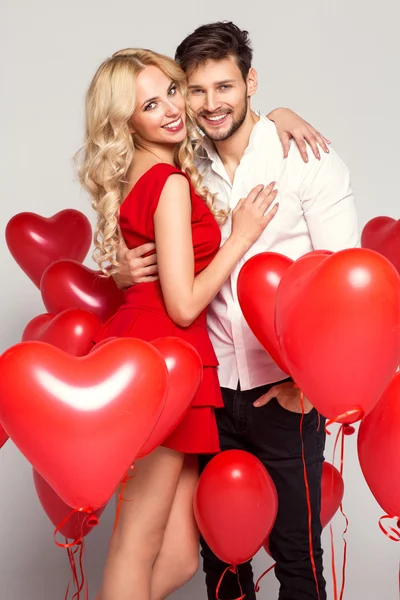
334 62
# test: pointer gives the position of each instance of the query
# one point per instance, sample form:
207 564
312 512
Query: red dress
143 314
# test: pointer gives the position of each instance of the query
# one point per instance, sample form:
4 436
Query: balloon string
354 412
232 569
257 586
343 430
67 591
335 590
77 544
395 531
82 583
344 564
71 557
309 511
319 422
92 523
333 563
121 498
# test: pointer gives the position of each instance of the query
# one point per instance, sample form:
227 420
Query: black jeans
272 434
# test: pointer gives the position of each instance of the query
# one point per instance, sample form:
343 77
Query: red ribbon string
343 430
92 522
395 531
67 591
319 422
355 413
121 498
314 569
232 569
346 430
83 585
78 545
335 590
257 586
71 557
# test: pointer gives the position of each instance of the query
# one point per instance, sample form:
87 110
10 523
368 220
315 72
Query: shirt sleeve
328 203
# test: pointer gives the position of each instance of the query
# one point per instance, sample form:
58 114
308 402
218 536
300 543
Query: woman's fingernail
256 404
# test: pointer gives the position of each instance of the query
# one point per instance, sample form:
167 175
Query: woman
138 168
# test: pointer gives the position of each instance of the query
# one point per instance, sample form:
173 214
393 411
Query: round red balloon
80 422
71 525
379 449
36 242
68 284
332 490
338 326
382 234
258 282
235 505
185 372
72 330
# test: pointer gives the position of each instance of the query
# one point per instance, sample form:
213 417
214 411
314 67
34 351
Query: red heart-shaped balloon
338 326
379 449
290 286
185 372
103 343
184 377
36 242
73 330
80 422
258 281
68 284
36 326
382 234
71 525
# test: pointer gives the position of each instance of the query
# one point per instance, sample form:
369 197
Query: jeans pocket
291 418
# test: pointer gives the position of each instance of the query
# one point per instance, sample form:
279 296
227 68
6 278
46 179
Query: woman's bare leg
178 559
139 536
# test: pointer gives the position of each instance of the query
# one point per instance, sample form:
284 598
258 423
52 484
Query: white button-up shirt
316 211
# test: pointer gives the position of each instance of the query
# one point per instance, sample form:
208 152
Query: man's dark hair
216 41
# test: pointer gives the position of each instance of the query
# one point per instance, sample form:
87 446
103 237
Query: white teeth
218 118
173 124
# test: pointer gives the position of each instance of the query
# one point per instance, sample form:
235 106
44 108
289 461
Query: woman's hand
290 125
134 266
251 215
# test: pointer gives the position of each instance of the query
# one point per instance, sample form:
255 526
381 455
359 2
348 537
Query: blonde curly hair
109 149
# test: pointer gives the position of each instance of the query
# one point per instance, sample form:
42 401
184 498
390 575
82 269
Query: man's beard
220 137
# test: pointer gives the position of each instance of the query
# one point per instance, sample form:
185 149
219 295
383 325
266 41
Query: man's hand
290 125
134 266
288 397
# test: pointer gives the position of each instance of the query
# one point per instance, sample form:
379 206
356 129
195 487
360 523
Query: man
262 408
